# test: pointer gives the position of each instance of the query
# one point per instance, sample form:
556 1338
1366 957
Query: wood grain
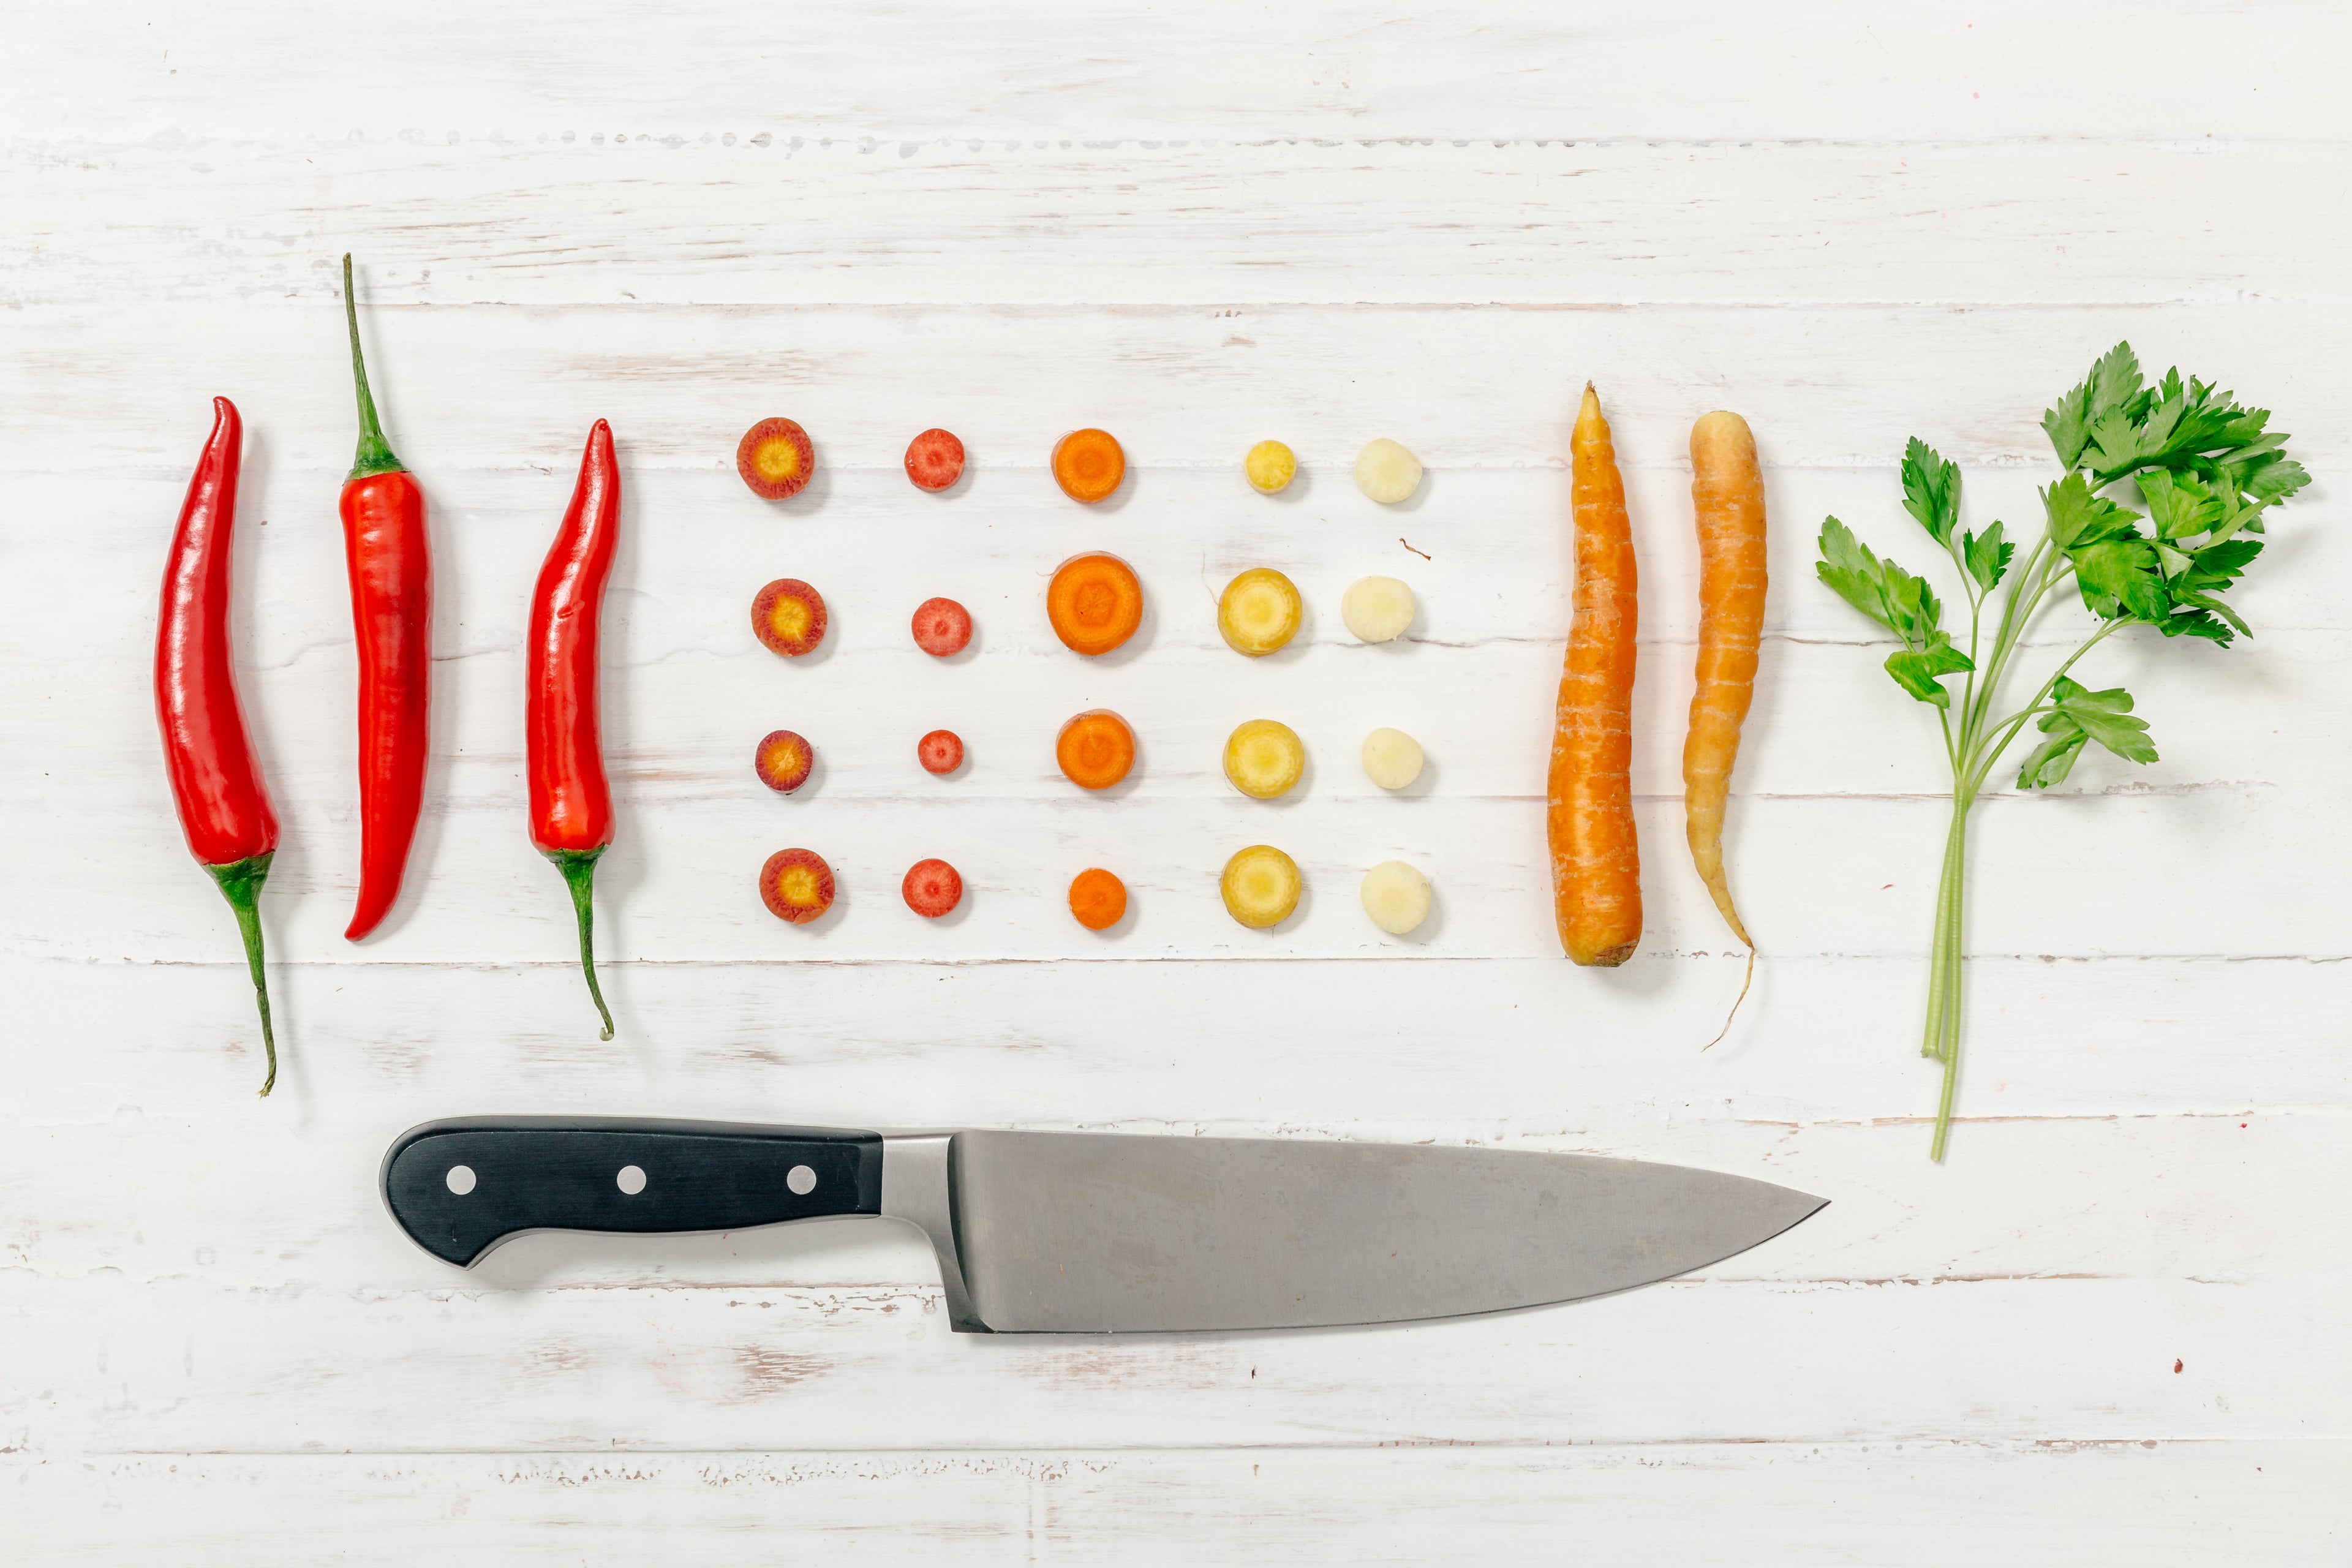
2112 1328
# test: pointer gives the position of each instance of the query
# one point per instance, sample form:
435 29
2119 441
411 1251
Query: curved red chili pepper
570 804
390 561
215 782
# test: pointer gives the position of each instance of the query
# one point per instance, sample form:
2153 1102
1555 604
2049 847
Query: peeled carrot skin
1727 495
1596 861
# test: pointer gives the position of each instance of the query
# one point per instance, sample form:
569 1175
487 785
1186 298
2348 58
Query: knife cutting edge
1091 1233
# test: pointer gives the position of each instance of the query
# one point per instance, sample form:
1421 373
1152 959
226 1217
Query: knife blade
1091 1233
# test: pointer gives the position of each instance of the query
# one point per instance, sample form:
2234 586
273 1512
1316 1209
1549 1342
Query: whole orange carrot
1727 494
1596 864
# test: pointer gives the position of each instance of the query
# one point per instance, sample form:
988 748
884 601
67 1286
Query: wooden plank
1699 69
1737 1505
497 1364
209 218
1189 385
1820 877
1482 1046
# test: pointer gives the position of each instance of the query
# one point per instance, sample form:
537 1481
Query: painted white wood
509 1361
2186 1503
1325 69
1466 384
1853 224
956 221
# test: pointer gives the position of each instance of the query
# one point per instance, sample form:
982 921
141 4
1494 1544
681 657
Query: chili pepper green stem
579 869
240 883
374 455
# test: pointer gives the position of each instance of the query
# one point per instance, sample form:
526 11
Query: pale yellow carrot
1727 495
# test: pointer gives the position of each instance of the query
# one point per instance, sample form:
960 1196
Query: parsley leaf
1931 490
1987 555
2120 577
2052 759
1921 673
1850 569
2111 388
2077 517
2105 716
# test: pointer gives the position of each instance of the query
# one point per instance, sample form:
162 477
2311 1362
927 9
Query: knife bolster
918 1186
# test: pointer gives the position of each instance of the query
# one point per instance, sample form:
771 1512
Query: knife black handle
459 1187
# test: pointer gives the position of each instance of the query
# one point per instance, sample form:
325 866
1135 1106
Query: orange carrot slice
1095 749
1088 465
1095 602
1098 898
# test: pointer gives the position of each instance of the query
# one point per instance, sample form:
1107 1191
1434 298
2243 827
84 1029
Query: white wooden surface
2112 1329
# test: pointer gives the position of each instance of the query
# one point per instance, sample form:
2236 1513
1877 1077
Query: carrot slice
796 885
1259 612
1095 602
1098 898
1260 885
783 760
1095 749
1596 863
1727 495
775 459
934 461
932 888
788 616
1263 758
941 627
941 752
1088 465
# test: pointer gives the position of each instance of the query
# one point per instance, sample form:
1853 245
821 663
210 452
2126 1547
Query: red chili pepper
391 565
215 782
570 804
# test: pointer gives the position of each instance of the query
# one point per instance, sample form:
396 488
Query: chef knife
1088 1232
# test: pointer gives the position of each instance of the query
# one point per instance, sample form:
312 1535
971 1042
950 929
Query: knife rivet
632 1180
801 1179
461 1178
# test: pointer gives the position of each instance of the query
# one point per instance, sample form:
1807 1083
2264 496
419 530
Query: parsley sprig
2205 471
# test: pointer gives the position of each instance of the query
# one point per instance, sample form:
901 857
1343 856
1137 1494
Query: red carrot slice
941 752
934 461
942 627
932 888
